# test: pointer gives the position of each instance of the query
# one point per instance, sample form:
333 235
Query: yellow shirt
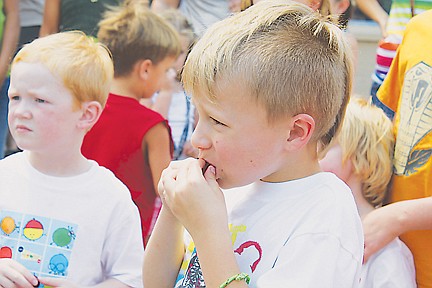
407 91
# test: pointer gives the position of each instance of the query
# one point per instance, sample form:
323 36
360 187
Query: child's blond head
85 67
367 140
132 33
288 57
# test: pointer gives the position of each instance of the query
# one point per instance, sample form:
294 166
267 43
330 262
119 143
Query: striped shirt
400 14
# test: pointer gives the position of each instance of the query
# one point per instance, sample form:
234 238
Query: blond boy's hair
132 32
290 59
366 138
85 67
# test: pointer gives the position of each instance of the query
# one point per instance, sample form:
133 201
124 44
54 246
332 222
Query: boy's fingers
15 280
168 183
209 173
18 275
180 163
54 282
182 173
5 282
210 176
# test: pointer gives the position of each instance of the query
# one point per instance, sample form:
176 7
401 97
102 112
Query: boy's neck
65 165
300 164
126 87
363 206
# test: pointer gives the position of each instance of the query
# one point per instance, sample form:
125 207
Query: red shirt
115 142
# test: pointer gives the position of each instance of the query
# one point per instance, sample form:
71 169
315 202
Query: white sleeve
391 267
313 260
387 278
123 249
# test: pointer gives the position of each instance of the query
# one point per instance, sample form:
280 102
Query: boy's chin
224 184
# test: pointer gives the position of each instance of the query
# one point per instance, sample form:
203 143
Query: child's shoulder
12 161
105 179
323 189
130 108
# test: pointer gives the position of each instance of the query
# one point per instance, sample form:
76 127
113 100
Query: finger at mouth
205 167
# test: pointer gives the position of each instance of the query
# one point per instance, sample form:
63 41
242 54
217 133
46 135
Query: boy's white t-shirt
392 266
300 233
85 227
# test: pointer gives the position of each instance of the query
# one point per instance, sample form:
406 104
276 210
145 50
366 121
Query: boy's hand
380 228
15 275
195 199
57 282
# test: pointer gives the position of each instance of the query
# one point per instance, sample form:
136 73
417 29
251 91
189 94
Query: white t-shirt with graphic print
85 227
301 233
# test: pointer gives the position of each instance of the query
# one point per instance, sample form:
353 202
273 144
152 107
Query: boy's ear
144 68
315 4
90 114
340 7
302 127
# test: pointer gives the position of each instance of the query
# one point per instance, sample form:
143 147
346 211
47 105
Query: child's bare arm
197 201
164 252
156 147
10 36
374 10
384 224
51 18
13 274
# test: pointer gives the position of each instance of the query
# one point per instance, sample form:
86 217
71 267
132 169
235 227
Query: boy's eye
38 100
15 98
216 121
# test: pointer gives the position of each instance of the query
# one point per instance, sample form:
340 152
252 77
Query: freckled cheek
53 126
11 117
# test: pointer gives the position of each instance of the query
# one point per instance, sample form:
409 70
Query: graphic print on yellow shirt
415 120
40 244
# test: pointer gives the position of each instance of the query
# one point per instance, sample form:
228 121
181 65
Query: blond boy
269 84
131 140
55 225
361 157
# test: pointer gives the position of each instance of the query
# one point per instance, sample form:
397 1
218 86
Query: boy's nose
20 109
199 138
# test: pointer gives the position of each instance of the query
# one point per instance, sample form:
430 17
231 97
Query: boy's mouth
205 167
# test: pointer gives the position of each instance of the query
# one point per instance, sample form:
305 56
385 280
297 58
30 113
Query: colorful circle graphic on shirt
58 264
8 225
5 252
63 237
33 230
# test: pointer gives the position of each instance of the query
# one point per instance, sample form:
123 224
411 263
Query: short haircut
290 59
367 139
84 66
132 33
